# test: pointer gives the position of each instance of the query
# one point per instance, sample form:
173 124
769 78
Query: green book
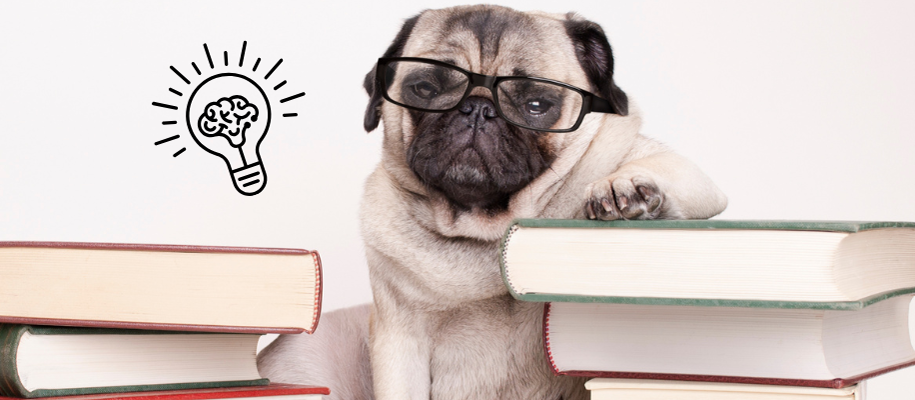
830 265
43 361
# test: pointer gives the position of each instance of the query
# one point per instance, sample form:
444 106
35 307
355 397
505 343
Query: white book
798 347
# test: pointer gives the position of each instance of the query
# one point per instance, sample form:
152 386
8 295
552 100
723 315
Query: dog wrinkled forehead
494 40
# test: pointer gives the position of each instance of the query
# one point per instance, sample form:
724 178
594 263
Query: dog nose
478 106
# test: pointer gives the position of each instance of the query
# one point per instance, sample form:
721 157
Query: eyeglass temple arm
600 105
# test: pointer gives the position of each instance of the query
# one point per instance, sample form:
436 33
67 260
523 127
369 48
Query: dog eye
538 107
424 90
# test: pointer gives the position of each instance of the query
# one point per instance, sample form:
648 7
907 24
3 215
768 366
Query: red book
274 389
160 287
775 346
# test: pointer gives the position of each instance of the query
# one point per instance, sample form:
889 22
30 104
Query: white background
797 109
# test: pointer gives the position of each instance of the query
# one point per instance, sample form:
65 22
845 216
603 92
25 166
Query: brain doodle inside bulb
229 117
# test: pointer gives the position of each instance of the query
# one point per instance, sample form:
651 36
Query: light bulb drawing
223 117
228 114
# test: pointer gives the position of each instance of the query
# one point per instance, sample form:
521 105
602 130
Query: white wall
798 110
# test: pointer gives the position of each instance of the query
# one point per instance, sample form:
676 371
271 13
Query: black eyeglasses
532 103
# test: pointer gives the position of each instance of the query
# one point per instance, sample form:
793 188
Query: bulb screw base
250 179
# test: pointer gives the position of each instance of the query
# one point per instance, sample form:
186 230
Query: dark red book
302 392
160 287
775 346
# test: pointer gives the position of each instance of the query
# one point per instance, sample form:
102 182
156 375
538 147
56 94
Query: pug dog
489 114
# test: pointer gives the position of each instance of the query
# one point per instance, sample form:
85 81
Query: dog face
469 158
475 158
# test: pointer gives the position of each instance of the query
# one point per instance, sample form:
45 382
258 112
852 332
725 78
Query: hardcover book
160 287
42 361
789 264
774 346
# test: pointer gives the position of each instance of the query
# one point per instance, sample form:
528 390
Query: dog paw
618 197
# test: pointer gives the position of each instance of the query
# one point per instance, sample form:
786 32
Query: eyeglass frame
590 101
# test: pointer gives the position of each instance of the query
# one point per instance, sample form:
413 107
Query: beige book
790 264
164 287
773 346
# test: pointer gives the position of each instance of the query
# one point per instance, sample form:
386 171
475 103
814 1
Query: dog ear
373 110
596 58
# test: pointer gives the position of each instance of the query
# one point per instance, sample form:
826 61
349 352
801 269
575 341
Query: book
790 264
279 391
160 287
775 346
640 389
42 361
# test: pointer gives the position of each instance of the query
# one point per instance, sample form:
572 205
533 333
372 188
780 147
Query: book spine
503 251
319 291
10 385
546 339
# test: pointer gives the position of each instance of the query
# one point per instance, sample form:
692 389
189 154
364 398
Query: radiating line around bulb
195 68
210 59
168 106
186 81
277 87
168 139
256 63
169 122
293 97
241 60
225 58
273 69
175 92
291 115
179 152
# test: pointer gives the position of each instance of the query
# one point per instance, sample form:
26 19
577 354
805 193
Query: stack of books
719 309
94 321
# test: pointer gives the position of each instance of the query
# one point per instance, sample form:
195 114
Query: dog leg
661 185
336 356
401 351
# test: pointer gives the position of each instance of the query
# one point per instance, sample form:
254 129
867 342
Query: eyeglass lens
522 101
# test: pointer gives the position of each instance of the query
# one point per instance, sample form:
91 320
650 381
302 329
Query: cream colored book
771 346
160 287
785 264
42 361
643 389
